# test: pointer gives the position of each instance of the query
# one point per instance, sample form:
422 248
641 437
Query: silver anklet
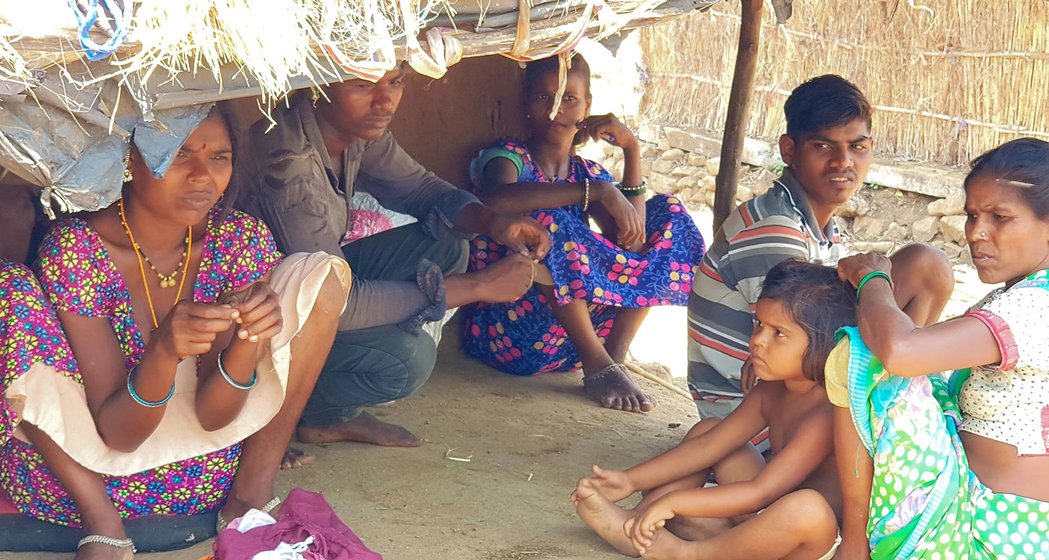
108 541
605 372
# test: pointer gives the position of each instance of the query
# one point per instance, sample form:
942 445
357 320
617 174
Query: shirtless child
785 509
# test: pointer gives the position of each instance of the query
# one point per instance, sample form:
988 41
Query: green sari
925 502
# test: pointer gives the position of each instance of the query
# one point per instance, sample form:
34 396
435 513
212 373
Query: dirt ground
527 439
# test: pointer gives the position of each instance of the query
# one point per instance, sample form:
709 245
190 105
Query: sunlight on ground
662 337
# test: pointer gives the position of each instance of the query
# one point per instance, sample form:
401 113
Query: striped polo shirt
773 227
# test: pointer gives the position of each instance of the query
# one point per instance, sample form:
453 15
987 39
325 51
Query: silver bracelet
108 541
230 380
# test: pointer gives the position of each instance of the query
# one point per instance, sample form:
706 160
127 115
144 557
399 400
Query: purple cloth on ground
302 515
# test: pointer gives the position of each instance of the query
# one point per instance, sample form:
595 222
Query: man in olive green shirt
299 175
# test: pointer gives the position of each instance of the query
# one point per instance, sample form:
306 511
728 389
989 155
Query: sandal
221 524
108 541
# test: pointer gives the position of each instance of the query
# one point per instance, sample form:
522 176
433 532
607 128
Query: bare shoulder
813 413
791 415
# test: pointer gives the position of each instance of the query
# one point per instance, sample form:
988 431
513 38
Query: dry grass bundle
950 78
13 67
272 42
278 45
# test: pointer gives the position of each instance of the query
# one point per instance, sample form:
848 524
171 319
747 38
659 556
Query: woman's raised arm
903 348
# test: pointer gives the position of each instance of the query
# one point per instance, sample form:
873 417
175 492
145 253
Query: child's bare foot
604 517
666 546
612 485
364 428
612 387
295 458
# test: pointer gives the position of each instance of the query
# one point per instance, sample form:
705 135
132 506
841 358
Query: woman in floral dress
594 289
182 316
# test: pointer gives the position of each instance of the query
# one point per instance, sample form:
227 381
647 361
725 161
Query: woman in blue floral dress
593 290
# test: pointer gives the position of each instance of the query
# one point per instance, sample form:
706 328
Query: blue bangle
144 402
868 277
230 380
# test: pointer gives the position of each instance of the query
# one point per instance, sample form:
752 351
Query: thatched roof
279 46
74 83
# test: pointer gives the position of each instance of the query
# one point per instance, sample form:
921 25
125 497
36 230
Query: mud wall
443 123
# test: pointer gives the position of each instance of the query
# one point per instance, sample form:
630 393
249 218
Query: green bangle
142 401
868 277
230 380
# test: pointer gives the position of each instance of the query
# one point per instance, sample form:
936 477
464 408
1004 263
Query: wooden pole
738 106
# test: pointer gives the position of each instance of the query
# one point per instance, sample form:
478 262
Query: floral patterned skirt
524 337
31 337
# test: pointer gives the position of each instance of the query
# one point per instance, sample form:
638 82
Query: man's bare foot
604 517
364 428
612 387
295 458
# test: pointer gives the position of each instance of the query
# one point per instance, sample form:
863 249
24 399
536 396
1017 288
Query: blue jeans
379 364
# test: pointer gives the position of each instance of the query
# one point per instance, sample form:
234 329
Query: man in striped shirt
828 150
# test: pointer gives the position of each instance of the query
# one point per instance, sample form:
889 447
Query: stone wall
914 203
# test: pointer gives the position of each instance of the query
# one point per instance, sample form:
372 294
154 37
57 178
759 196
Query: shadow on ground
527 440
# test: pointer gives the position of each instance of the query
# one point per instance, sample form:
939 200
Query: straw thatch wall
950 78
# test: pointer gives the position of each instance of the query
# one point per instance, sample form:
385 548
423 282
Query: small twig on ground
448 455
661 382
527 477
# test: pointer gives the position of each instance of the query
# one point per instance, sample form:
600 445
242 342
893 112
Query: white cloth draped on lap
56 404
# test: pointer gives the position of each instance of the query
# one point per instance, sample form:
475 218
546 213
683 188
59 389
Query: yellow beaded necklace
166 281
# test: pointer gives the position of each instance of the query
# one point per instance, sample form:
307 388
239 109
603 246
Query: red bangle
1002 335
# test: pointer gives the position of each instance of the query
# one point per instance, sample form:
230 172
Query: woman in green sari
955 467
